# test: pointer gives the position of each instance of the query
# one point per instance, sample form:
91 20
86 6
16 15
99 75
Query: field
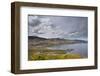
48 54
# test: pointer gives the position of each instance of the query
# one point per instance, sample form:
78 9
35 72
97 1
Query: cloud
33 21
57 26
43 27
73 33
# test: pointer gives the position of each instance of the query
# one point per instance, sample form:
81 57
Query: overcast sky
57 26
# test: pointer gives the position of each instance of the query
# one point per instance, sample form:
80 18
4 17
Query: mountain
36 38
60 39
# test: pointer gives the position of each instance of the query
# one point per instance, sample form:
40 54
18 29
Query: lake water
78 48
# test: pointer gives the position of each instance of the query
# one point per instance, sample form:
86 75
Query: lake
78 48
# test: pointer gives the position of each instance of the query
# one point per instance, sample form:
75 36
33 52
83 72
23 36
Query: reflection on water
78 48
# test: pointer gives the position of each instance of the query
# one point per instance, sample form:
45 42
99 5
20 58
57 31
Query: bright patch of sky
58 26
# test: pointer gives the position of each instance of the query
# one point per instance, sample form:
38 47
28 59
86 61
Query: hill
34 41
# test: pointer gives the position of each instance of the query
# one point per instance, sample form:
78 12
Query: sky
49 26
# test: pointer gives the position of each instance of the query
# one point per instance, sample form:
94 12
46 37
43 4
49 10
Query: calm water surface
78 48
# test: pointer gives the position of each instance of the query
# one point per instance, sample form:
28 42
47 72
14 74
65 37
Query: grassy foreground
48 54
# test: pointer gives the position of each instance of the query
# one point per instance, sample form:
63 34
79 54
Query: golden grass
48 54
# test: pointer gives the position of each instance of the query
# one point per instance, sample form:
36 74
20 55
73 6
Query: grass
48 54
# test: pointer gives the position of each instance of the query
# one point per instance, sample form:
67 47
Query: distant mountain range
41 38
36 38
44 42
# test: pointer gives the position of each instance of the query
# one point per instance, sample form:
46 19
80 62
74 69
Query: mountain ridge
41 38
